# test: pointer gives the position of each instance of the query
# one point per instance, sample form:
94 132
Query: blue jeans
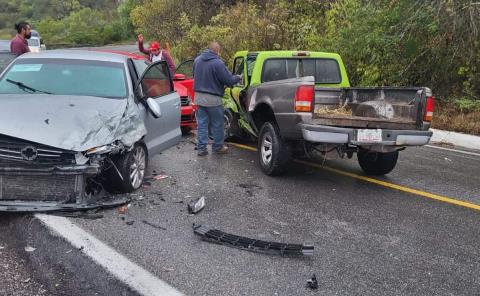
213 117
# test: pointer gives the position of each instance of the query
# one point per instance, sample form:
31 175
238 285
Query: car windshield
33 42
66 77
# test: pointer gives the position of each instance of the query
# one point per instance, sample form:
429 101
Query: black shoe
223 150
202 153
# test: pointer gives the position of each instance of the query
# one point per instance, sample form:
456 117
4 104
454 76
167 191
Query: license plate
369 135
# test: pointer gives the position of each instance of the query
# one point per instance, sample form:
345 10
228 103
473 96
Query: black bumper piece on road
240 242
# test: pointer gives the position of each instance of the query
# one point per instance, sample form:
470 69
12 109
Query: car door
162 132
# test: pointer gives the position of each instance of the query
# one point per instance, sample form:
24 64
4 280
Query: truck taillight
429 108
304 97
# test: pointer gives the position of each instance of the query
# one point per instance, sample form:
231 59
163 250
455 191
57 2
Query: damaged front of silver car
65 153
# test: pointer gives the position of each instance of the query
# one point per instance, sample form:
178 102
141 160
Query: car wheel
377 163
273 154
185 130
132 167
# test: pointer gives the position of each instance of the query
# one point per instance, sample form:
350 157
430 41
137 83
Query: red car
183 85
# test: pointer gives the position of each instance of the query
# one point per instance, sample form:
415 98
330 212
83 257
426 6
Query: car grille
185 101
39 188
18 150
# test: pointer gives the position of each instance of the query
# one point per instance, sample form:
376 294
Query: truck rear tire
377 163
273 154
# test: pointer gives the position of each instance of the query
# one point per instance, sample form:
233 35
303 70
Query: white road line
454 150
118 265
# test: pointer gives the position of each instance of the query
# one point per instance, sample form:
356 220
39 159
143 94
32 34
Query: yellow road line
379 182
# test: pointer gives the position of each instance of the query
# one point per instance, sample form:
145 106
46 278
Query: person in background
210 78
156 53
19 44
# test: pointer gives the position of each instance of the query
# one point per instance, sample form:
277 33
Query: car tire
377 163
185 130
273 155
132 166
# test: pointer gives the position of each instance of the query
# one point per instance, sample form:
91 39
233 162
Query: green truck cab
300 103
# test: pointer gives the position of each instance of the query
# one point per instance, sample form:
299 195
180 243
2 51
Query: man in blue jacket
211 76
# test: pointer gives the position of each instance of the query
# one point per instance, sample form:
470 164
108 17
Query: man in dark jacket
19 44
210 78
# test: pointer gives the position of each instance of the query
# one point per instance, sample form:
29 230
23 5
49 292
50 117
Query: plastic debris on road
313 283
245 243
196 205
29 249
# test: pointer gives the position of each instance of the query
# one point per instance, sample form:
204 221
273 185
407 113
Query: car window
324 70
186 68
140 66
238 66
156 81
66 77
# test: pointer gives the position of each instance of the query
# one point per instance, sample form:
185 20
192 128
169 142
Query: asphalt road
369 239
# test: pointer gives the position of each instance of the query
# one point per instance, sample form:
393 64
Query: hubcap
266 149
137 169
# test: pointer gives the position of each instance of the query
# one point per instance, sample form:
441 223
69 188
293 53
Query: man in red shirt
19 44
156 53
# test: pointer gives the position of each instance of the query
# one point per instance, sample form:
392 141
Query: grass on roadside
450 118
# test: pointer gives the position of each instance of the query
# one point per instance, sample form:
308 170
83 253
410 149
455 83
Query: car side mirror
154 107
179 77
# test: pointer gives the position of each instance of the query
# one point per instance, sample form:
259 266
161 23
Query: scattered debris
130 222
29 249
69 251
448 159
2 247
81 248
26 281
167 269
147 184
313 283
47 121
91 215
123 209
177 200
196 205
160 177
245 243
153 225
275 232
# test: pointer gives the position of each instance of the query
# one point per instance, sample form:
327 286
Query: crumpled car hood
75 123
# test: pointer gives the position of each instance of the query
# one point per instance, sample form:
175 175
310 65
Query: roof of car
132 55
89 55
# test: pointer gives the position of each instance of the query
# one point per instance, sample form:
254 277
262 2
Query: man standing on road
156 53
19 44
210 78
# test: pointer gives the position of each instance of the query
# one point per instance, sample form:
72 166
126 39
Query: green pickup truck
299 103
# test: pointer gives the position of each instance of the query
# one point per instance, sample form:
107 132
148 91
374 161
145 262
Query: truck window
324 70
238 66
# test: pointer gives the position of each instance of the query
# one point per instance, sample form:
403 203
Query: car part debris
123 209
46 207
153 225
313 283
29 249
196 205
160 177
245 243
84 215
130 222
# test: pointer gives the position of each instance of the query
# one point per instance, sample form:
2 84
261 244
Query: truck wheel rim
137 169
226 126
266 149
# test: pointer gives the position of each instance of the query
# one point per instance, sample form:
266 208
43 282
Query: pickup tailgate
375 107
